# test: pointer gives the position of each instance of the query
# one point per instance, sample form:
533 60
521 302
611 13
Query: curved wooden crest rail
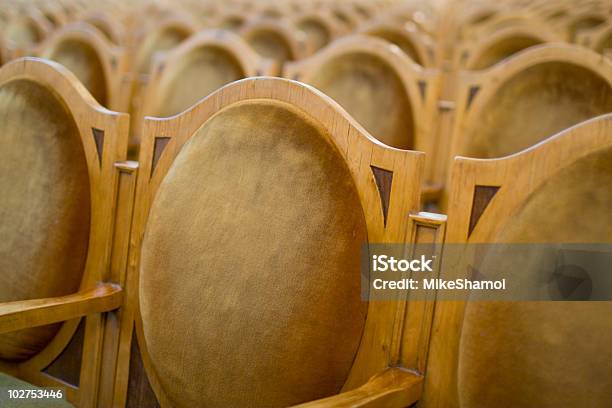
396 98
412 42
535 353
294 141
275 39
200 65
72 263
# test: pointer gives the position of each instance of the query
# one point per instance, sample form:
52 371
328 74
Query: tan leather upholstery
249 278
44 205
372 93
537 103
545 354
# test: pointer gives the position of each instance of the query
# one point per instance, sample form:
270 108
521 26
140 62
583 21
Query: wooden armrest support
392 388
24 314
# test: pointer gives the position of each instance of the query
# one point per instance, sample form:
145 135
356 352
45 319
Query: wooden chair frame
422 44
104 137
420 84
113 58
475 89
39 23
166 63
324 19
393 335
469 54
477 217
105 23
296 41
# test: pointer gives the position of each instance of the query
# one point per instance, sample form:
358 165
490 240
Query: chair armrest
392 388
24 314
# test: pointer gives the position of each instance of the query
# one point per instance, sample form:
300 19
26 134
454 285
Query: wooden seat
272 306
527 353
414 44
319 28
60 182
383 89
528 98
202 64
24 32
98 64
111 29
275 40
503 43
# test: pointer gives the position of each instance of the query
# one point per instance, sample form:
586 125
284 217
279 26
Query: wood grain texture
391 388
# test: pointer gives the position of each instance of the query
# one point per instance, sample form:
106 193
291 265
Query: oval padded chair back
202 64
26 31
529 353
532 96
275 40
57 160
413 43
377 84
319 28
97 64
270 238
486 52
162 37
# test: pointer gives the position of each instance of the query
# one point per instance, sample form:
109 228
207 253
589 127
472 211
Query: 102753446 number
38 393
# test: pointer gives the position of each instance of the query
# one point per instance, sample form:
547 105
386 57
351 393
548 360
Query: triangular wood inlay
473 92
423 88
482 197
384 179
98 136
158 149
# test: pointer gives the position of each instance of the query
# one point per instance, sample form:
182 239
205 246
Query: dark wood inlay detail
158 149
139 393
482 197
98 136
422 88
384 179
473 92
67 366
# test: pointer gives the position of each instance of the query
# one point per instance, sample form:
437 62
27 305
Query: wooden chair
224 276
319 28
112 30
98 64
526 353
531 96
275 39
66 206
416 45
381 87
24 32
163 36
503 43
200 65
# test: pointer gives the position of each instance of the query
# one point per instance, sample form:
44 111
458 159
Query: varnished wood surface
391 388
38 312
